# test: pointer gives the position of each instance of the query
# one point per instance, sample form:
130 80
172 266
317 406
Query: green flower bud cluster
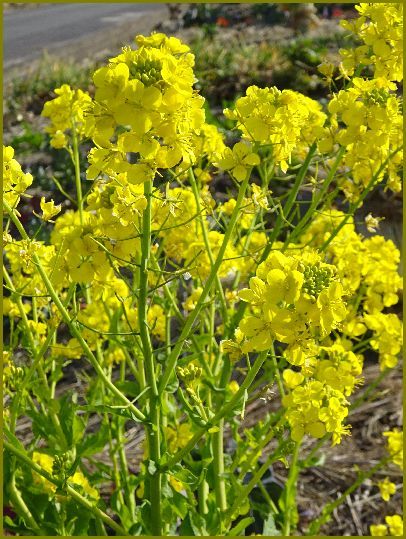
189 374
316 279
147 71
377 96
105 197
60 466
14 377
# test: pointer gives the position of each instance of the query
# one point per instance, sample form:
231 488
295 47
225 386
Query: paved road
28 32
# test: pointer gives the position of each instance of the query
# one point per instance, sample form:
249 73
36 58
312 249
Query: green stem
248 464
154 434
269 500
181 318
54 417
315 202
223 412
359 201
277 373
290 490
369 389
203 226
76 164
21 507
218 466
290 201
254 481
171 363
278 226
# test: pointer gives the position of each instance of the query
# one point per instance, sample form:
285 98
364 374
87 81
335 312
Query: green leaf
94 443
13 439
173 383
193 524
184 475
72 424
240 527
41 426
131 389
270 529
180 505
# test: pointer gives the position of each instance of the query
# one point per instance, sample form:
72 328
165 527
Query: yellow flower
49 209
178 437
395 523
175 484
395 446
386 488
238 160
15 182
292 378
378 530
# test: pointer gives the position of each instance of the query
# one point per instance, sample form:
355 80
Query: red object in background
337 12
222 21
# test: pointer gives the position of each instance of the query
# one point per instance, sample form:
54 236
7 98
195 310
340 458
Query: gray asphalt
28 32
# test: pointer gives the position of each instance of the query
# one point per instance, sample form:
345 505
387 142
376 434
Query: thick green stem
290 492
154 428
21 507
171 363
76 163
218 465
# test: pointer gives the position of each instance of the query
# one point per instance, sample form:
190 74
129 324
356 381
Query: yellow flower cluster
380 28
298 299
25 277
15 181
318 406
286 120
368 269
295 299
145 102
394 525
67 113
366 119
395 446
175 218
